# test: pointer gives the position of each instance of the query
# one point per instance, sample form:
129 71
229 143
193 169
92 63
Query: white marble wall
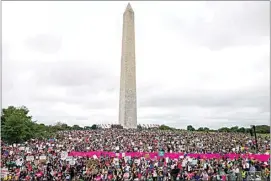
127 101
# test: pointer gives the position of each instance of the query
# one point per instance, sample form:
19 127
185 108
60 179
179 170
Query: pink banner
260 157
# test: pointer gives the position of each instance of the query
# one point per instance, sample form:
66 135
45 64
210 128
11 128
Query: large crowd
49 159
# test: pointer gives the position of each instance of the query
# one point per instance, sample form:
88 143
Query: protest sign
72 162
116 161
69 158
19 162
43 157
21 148
126 159
30 158
147 156
64 155
161 153
194 162
36 162
4 172
167 159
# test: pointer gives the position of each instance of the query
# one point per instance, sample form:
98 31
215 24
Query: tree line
261 129
18 126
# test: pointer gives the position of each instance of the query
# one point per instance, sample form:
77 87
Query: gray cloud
233 24
251 97
70 120
45 43
81 75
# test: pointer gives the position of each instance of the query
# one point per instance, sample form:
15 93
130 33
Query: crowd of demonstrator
48 159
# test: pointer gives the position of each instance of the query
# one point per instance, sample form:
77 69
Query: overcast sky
198 63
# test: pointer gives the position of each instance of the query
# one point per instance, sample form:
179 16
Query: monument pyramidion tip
129 8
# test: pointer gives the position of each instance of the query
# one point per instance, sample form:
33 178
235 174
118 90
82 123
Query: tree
94 126
6 112
190 128
164 127
234 129
206 129
17 125
42 131
263 129
242 130
57 126
76 127
65 126
224 129
87 128
201 129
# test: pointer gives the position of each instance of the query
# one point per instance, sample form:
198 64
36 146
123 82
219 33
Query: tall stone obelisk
127 100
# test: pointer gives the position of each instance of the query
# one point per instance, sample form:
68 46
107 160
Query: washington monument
127 100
